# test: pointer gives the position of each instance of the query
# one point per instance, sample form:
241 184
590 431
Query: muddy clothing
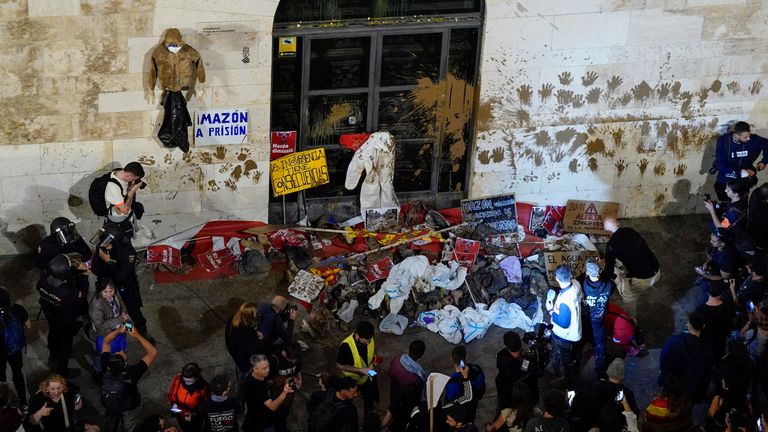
178 71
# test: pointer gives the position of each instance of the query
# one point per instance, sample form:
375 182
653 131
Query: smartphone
461 364
128 326
619 395
372 372
751 306
571 395
175 409
78 398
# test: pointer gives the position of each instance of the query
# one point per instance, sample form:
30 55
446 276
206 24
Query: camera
707 198
292 384
537 356
141 183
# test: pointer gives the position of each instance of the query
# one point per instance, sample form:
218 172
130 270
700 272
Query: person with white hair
642 267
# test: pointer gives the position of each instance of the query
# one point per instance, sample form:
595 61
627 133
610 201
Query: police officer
60 299
63 239
115 258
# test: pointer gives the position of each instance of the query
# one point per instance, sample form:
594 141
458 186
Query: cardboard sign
538 214
281 144
381 219
306 286
588 216
299 171
163 254
221 126
499 212
576 260
465 252
379 269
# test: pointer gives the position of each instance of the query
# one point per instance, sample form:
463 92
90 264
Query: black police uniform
60 299
121 269
49 248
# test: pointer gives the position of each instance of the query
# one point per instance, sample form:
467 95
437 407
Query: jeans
598 331
565 355
16 362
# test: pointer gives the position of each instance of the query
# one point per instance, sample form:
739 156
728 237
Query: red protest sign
465 252
216 260
163 254
379 269
282 143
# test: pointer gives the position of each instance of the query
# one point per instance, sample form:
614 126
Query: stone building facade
614 100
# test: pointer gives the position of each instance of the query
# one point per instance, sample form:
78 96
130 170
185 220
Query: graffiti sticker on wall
588 216
299 171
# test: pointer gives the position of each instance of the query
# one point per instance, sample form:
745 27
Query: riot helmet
64 231
110 233
65 266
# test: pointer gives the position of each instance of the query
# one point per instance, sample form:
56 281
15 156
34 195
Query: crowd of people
717 360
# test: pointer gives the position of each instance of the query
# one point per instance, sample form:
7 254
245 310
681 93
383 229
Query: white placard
221 126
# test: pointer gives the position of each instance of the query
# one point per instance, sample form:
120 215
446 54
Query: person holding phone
466 385
119 387
356 358
188 389
108 313
260 415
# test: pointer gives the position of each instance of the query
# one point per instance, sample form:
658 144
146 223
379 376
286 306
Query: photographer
274 318
285 368
515 367
120 196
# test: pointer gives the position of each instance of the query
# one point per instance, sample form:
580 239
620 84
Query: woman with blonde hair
243 339
52 408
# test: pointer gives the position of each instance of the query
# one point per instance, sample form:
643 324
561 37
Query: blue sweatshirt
731 157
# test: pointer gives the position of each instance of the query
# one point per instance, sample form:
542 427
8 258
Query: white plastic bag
393 323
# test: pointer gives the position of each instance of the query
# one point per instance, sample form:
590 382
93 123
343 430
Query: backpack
116 396
13 332
96 194
323 418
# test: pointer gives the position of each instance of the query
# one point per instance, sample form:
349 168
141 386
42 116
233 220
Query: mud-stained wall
72 100
617 100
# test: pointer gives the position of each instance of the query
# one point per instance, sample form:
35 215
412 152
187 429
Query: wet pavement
187 320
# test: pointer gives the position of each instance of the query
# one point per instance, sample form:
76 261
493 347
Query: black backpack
12 332
117 396
96 194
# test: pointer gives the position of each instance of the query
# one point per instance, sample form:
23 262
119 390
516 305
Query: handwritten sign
498 212
588 216
299 171
306 286
221 126
576 260
282 143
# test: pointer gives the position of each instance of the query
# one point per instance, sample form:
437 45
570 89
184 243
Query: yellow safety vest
358 361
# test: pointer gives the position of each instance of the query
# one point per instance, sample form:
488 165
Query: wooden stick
431 400
470 293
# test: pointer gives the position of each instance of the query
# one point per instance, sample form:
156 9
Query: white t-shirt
113 195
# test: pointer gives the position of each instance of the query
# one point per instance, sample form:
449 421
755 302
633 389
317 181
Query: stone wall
72 100
605 99
616 100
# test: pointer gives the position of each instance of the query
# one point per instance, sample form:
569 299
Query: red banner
215 261
283 143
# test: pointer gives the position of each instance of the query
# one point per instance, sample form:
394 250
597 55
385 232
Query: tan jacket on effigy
178 71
